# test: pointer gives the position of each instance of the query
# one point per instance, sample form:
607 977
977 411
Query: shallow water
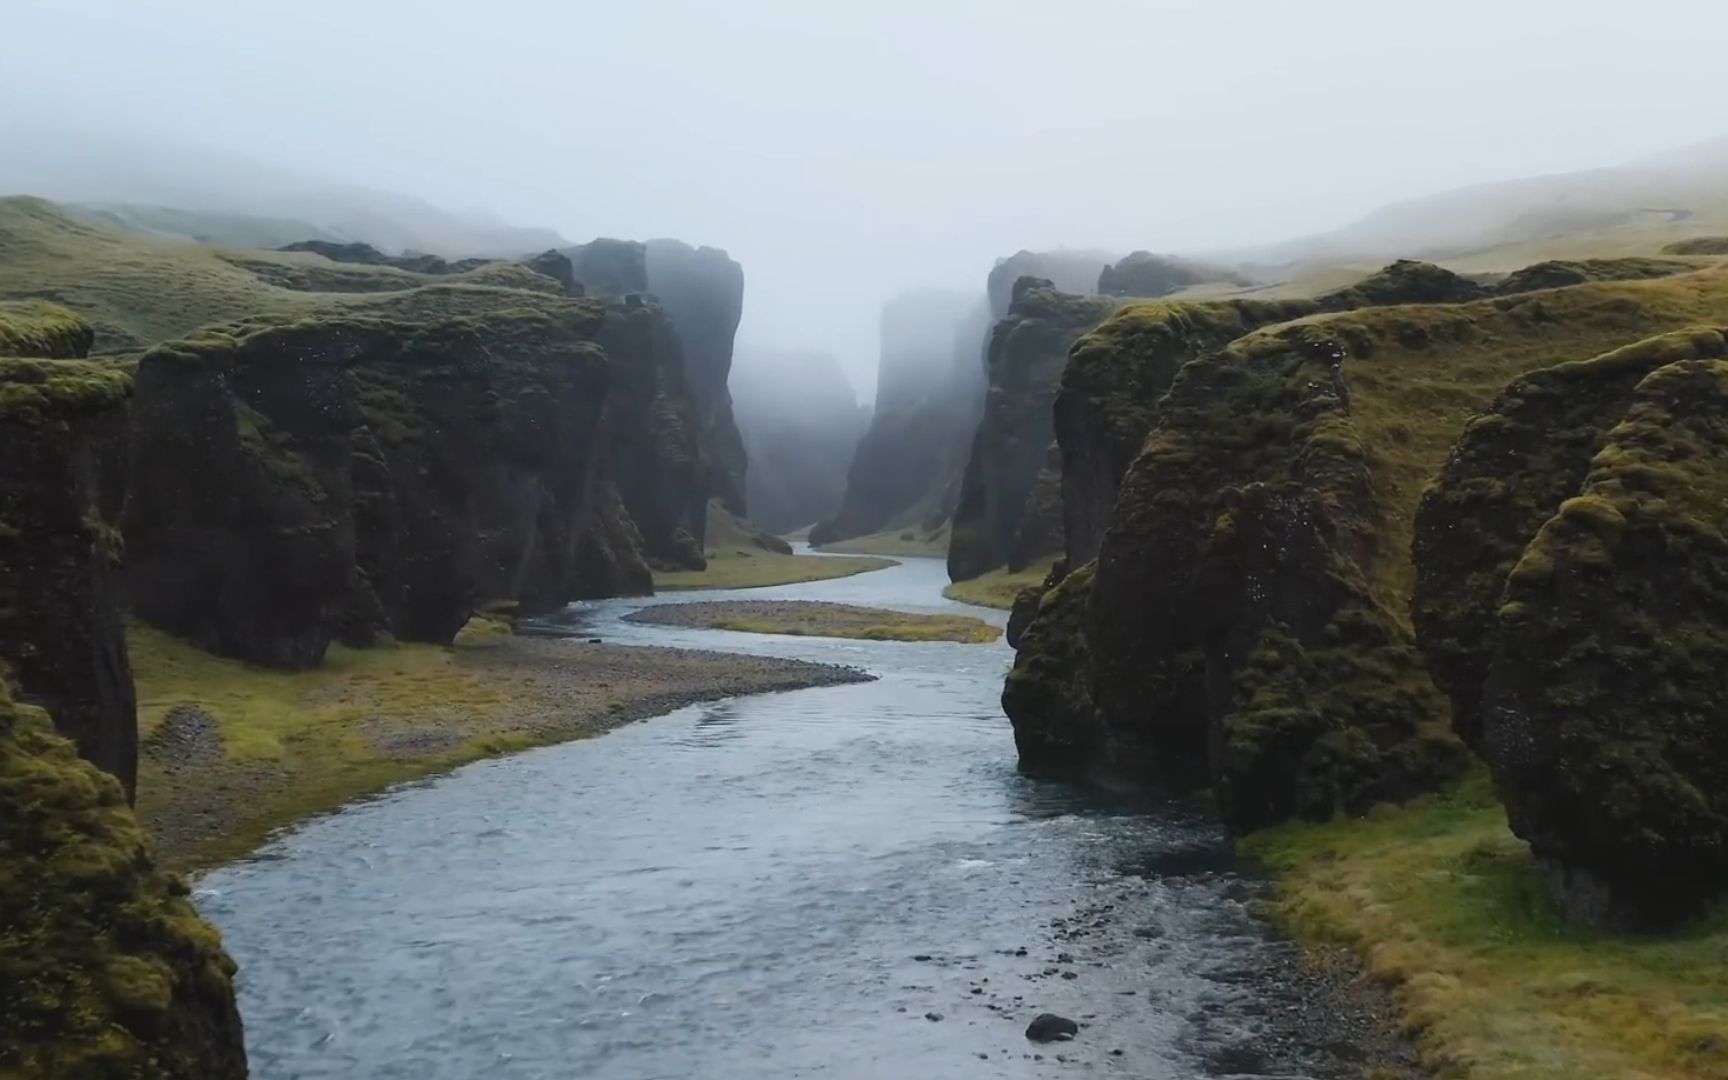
774 886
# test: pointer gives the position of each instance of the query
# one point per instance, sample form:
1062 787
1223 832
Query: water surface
788 885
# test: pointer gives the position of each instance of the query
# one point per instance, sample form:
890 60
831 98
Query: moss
1150 276
1047 695
1512 467
1698 245
105 968
49 392
755 569
1603 703
35 328
999 588
1405 282
815 619
1558 273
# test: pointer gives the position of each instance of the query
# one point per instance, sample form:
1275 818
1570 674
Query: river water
789 885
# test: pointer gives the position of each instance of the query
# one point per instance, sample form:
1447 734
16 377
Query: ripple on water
769 887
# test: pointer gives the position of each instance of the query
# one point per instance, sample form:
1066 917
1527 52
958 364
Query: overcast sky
843 152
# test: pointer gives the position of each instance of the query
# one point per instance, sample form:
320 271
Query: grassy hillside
138 290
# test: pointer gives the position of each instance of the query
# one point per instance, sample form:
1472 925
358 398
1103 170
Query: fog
846 153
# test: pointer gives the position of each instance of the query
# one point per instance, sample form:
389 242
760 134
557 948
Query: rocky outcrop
60 591
1602 709
1558 273
1110 388
1148 276
608 267
801 422
1048 694
906 469
1027 353
653 433
1072 272
1512 468
105 968
1406 282
1698 245
363 475
1246 626
703 290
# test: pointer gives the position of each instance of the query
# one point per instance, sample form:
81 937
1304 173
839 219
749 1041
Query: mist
847 155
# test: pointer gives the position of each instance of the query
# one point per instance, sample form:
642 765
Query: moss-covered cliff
61 422
105 968
1603 707
1027 353
358 476
1249 619
702 290
1512 468
36 328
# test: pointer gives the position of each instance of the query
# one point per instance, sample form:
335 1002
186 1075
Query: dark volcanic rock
607 267
1027 353
703 290
1512 468
62 434
359 475
1602 711
1048 694
1150 276
1405 282
557 266
1048 1027
1072 272
105 968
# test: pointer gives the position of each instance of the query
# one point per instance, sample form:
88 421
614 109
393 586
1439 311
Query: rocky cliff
703 290
105 968
60 594
1027 353
1148 276
1072 272
1565 609
352 476
1248 621
801 422
929 390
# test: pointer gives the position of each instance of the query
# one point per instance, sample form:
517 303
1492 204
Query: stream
848 881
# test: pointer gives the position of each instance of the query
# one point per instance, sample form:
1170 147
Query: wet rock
933 1017
1049 1027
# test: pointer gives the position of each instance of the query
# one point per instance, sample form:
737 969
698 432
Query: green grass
303 731
913 541
998 588
1444 905
751 569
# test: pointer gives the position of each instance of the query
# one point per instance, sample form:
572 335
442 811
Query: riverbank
998 588
908 542
1444 906
757 569
231 752
811 618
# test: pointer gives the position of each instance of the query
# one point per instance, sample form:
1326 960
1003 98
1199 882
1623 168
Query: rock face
357 476
1512 468
1072 272
1563 596
703 290
653 433
60 594
1027 353
608 267
1110 388
105 968
1245 624
1602 711
929 390
1150 276
801 422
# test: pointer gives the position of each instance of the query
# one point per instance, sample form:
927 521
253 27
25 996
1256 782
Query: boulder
1049 1027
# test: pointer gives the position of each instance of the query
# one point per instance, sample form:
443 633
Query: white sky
844 152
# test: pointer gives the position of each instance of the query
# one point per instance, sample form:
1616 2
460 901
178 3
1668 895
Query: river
847 882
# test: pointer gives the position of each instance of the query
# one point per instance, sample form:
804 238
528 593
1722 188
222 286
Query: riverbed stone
1049 1027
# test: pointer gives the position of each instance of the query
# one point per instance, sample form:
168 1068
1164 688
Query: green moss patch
804 618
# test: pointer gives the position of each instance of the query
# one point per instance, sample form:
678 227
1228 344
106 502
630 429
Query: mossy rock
106 971
1603 711
39 329
1512 468
1027 353
1406 281
1698 245
1047 695
1146 276
1558 273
